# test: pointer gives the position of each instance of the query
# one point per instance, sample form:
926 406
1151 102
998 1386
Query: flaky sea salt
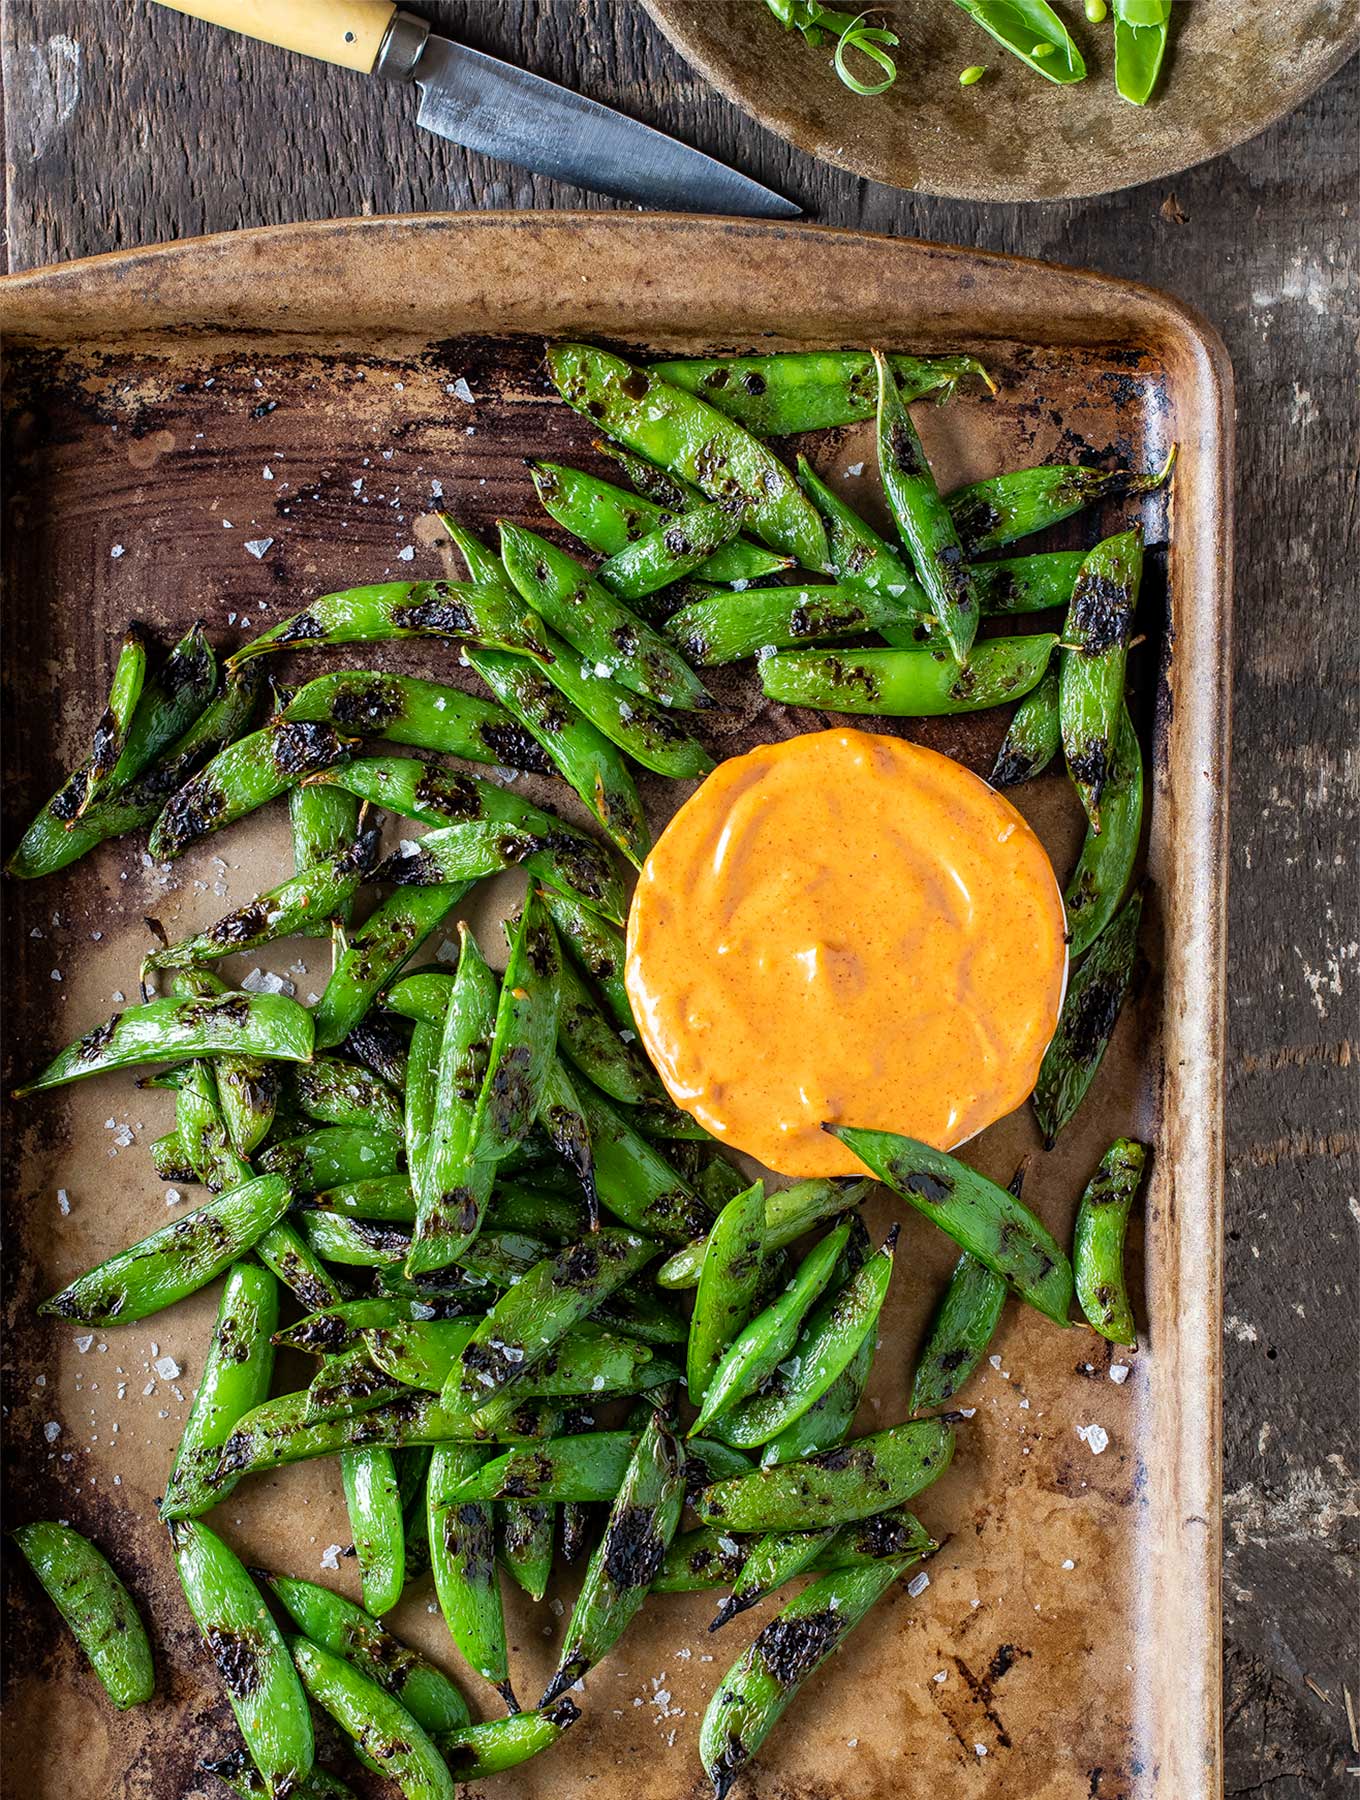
83 1343
463 391
406 553
167 1368
51 1431
258 546
1095 1437
63 1202
1119 1373
330 1556
918 1584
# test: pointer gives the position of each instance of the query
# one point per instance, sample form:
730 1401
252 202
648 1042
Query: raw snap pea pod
625 1562
981 1217
789 1212
836 1486
346 1630
373 1502
114 723
1034 737
561 1117
479 1751
526 1532
750 1699
1141 29
598 626
593 1044
236 1375
689 438
463 1554
634 1180
268 1025
730 627
670 552
1095 995
375 951
403 709
332 1155
1101 876
341 1093
1095 655
923 520
202 1130
382 1728
993 513
809 390
95 1604
392 610
240 1776
597 948
1098 1242
175 1261
908 684
734 1256
251 1656
241 778
1031 30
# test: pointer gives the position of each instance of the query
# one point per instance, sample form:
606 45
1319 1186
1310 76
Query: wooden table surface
125 125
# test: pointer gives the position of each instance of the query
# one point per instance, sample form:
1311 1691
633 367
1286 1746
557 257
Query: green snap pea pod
241 778
1034 737
908 684
236 1375
670 552
170 706
324 823
555 1218
688 437
422 1083
662 486
597 949
587 1467
283 1250
767 1339
373 1501
717 1180
251 1656
375 951
836 1486
524 1041
388 1736
1095 994
709 1557
608 519
809 390
381 1045
268 1025
418 1353
355 1243
923 520
634 1180
859 557
1098 1242
202 1131
346 1630
392 610
462 853
729 627
780 1557
344 1384
586 1362
561 1117
247 1086
493 1258
175 1261
789 1212
827 1421
1107 857
963 1325
1095 655
643 1314
526 1532
1031 30
752 1697
463 1553
423 995
341 1093
111 730
331 1156
341 1327
594 1045
734 1257
95 1604
387 1198
585 758
992 513
478 1751
1141 28
403 709
700 1559
240 1776
598 626
981 1217
623 1565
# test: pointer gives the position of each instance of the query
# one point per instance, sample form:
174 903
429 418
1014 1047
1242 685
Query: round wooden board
1230 72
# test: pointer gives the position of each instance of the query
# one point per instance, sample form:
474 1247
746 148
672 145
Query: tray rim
170 287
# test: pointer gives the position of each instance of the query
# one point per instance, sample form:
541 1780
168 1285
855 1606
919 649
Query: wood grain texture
124 125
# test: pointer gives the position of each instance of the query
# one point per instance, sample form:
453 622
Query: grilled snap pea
247 1086
1107 857
728 627
828 1420
342 1093
981 1217
634 1180
670 552
374 953
95 1604
525 1535
734 1258
251 1656
561 1118
598 626
595 1046
236 1375
993 513
463 1554
836 1486
381 1045
386 1733
391 610
1034 736
908 684
781 1556
355 1243
478 1751
625 1562
809 390
751 1698
202 1131
524 1041
685 436
1095 654
111 730
1098 1243
553 1217
425 714
300 1270
923 520
175 1261
331 1156
332 1329
700 1559
597 949
240 778
587 1467
268 1025
586 1361
344 1384
789 1212
963 1325
324 823
1095 994
240 1776
373 1502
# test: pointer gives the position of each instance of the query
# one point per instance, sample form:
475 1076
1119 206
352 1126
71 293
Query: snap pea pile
466 1195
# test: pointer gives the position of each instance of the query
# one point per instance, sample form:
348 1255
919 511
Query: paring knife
488 105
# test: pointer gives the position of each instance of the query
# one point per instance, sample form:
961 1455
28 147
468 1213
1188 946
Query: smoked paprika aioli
851 928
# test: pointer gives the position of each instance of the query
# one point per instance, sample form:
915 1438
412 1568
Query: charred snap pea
95 1604
981 1217
809 390
1095 994
555 1218
111 730
331 1156
623 1565
1098 1243
374 953
463 1554
251 1656
297 1266
403 609
687 437
524 1042
590 1466
561 1118
247 1086
670 552
381 1045
373 1501
353 1242
341 1093
242 777
586 1361
1107 857
344 1384
1034 736
1095 654
734 1257
597 949
202 1130
732 626
990 514
836 1486
406 710
596 1047
643 1314
827 1421
783 1555
332 1329
479 1751
239 1775
634 1180
386 1733
789 1212
700 1559
961 1328
909 684
175 1261
598 626
324 823
236 1375
526 1532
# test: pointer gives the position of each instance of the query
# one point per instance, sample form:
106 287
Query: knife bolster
401 47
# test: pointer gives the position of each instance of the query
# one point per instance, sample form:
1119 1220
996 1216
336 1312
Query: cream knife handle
351 33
